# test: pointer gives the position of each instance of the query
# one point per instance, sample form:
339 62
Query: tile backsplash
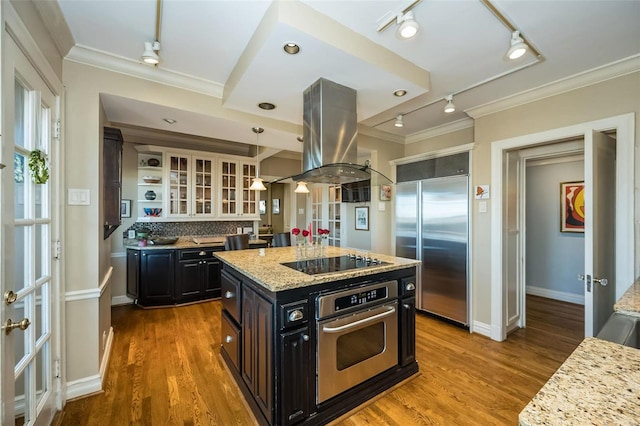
179 229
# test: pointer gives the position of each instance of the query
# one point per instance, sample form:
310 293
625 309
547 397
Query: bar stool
282 239
237 242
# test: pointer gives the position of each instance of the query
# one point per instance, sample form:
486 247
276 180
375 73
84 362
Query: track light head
399 121
150 54
449 107
408 25
518 46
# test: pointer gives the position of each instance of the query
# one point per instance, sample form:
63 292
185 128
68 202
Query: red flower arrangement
305 233
295 231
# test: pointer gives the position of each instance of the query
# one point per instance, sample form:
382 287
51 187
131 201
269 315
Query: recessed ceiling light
291 48
399 93
267 106
169 120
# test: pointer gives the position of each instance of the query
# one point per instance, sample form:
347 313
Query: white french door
28 285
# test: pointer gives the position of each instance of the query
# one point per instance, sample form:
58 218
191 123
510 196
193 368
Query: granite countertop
629 303
599 384
264 267
185 243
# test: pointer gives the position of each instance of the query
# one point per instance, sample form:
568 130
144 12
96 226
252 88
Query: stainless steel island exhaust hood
330 151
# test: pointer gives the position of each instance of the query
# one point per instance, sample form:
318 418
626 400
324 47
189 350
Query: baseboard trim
121 300
83 387
481 328
563 296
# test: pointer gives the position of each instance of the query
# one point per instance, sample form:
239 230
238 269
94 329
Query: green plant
38 166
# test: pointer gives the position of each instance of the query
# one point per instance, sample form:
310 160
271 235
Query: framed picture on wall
263 206
362 218
385 192
276 205
572 206
125 208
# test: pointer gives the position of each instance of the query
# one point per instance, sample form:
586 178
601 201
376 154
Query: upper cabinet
236 199
190 185
112 172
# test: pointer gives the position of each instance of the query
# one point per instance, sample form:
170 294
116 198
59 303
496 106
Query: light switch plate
300 211
78 197
381 207
482 206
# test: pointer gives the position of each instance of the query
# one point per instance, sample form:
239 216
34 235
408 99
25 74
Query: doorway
506 268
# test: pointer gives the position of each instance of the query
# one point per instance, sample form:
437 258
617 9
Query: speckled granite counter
267 269
599 384
184 243
629 303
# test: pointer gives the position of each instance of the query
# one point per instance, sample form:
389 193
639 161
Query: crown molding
597 75
88 56
375 133
443 129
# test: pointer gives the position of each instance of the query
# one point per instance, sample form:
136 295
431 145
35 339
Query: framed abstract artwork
572 206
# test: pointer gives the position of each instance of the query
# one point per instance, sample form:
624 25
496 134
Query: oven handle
391 310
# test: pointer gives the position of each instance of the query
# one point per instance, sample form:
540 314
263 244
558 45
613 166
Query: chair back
281 240
237 242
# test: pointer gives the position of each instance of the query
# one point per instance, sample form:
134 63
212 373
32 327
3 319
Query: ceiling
233 50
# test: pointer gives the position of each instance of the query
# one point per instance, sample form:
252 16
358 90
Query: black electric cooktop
323 265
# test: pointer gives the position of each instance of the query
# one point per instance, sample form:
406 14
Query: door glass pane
20 343
20 258
20 115
42 385
20 398
37 318
41 261
20 179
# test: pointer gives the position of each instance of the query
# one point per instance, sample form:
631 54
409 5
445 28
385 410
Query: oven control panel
361 298
328 304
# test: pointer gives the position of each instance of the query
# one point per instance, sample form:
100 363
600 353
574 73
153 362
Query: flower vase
323 247
301 250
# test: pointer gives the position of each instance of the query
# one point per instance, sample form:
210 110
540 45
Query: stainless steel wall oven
357 336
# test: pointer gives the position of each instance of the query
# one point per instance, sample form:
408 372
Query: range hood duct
330 151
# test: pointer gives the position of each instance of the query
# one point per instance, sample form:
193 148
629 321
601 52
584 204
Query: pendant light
301 188
256 183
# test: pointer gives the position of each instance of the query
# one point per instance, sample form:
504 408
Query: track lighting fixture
301 188
256 182
150 54
408 25
518 46
399 121
449 107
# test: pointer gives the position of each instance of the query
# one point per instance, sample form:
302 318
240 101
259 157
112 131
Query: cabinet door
133 273
248 338
263 356
249 196
203 187
407 331
156 277
211 278
228 188
112 171
189 281
294 388
179 177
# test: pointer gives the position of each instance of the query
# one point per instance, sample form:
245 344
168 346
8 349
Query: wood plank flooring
165 369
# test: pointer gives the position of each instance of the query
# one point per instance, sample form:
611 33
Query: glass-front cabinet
190 184
236 199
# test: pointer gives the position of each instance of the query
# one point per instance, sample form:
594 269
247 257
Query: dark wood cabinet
257 349
294 390
407 330
112 175
197 275
156 277
133 273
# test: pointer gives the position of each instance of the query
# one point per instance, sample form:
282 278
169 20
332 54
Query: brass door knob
23 324
10 297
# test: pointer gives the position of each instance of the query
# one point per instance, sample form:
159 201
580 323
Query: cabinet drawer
203 253
407 287
230 288
230 339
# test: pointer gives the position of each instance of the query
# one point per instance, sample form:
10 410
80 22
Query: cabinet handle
228 295
404 305
202 253
228 339
296 315
305 337
410 287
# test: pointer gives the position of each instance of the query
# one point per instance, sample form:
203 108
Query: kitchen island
309 340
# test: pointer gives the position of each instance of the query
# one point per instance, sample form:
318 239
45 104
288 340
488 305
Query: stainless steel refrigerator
432 225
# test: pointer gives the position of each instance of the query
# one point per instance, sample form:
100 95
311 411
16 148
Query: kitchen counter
266 269
629 303
598 384
186 243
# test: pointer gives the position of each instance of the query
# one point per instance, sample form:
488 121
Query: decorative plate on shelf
151 179
153 162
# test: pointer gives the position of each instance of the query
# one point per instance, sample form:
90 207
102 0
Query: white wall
554 259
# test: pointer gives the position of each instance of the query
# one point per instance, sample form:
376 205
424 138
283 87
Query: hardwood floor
165 368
